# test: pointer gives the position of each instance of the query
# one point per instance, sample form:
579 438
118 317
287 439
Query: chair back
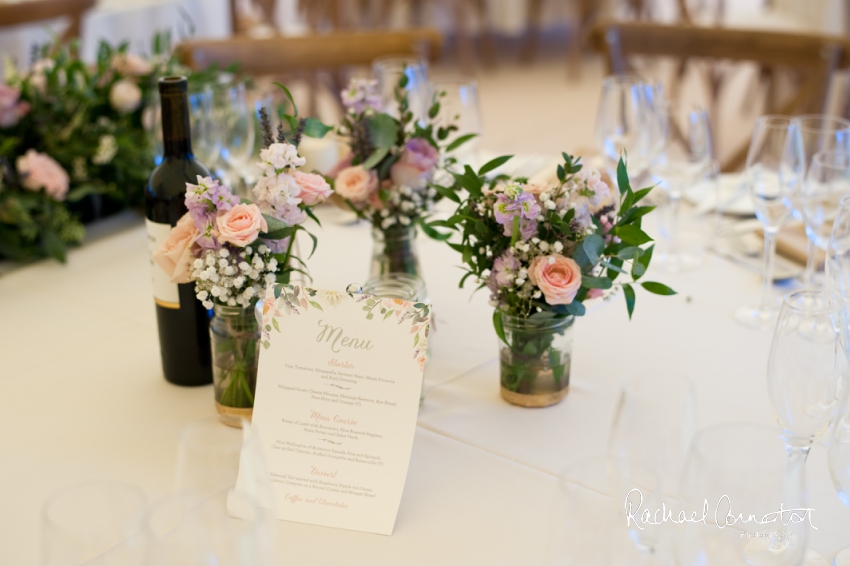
18 13
813 59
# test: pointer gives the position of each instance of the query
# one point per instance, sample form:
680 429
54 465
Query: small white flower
489 253
223 252
248 250
535 240
229 270
263 249
544 246
481 250
550 204
272 264
404 220
215 291
536 294
231 302
519 282
222 263
210 260
494 303
208 305
551 260
244 266
558 246
485 274
249 292
545 197
198 263
540 218
269 278
523 272
203 295
238 281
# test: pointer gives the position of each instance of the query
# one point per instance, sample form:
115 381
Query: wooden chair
278 55
32 11
814 57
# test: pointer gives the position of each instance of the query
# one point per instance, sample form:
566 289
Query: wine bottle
184 339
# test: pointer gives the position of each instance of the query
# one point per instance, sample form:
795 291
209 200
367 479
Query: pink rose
241 225
356 184
416 165
535 189
11 108
314 188
174 254
40 171
130 64
125 96
557 276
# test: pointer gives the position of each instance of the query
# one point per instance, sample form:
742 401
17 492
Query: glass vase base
231 416
534 400
757 319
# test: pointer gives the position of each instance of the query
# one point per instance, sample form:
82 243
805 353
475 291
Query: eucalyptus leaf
493 164
657 288
629 293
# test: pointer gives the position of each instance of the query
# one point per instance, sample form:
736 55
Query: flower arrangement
387 177
542 251
233 250
83 126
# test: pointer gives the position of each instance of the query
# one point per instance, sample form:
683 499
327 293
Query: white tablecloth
83 397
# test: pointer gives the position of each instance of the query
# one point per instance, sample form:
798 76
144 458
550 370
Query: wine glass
805 367
625 123
95 520
774 170
206 144
388 70
818 132
827 182
681 160
740 468
459 106
649 440
235 121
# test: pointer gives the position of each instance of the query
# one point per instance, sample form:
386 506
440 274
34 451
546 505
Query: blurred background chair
807 61
31 11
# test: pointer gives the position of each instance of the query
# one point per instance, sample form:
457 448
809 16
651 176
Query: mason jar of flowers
543 250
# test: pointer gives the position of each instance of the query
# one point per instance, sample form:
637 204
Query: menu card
336 403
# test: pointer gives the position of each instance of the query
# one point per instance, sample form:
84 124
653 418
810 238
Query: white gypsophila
107 147
78 168
280 157
234 278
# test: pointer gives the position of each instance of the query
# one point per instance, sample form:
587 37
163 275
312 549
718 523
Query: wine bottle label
164 290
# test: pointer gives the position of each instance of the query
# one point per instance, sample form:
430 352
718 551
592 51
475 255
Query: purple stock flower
504 270
515 203
360 95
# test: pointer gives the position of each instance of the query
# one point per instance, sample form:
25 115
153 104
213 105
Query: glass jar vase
534 360
235 335
394 250
406 288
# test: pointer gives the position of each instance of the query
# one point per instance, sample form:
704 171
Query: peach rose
535 189
174 254
125 96
314 188
356 184
12 109
241 225
131 64
40 171
557 276
416 164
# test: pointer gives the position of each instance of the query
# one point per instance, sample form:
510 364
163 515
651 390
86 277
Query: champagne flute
96 520
388 70
775 166
805 368
649 440
625 123
838 457
683 156
235 120
819 132
838 252
740 468
827 182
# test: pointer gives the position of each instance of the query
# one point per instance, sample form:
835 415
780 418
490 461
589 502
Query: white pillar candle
321 154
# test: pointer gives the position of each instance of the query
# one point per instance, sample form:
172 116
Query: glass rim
821 158
537 324
832 303
776 121
800 119
125 486
383 285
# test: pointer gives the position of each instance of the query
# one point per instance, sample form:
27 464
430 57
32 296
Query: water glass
94 521
186 532
625 124
838 456
588 527
805 367
459 107
683 157
737 470
234 116
388 71
774 172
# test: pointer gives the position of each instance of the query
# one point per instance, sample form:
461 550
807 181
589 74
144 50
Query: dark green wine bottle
184 339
